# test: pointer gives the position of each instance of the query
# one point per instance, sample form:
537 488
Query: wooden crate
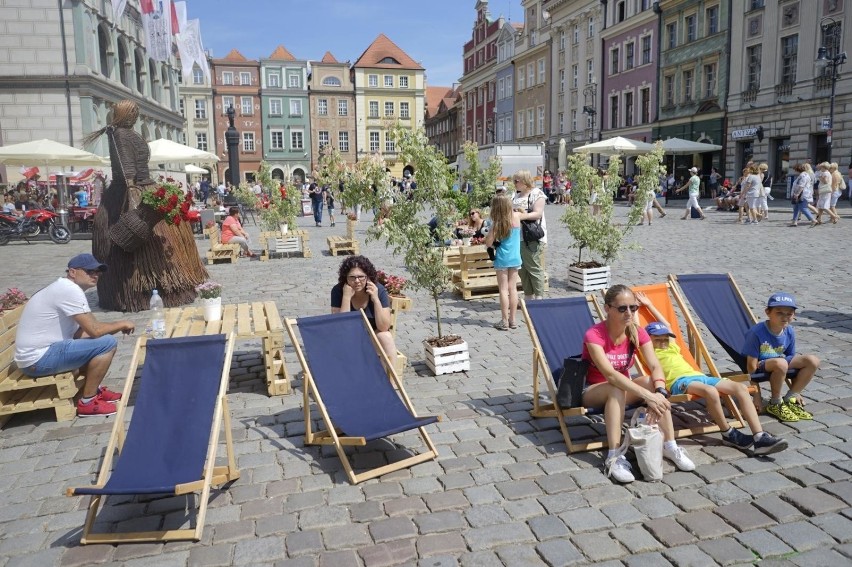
274 244
477 276
348 244
20 393
588 279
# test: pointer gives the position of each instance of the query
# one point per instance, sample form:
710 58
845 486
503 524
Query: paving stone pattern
504 491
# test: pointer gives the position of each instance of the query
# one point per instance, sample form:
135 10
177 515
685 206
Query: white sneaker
679 457
619 469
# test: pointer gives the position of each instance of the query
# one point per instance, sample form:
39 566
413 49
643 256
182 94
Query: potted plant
481 180
406 231
210 296
595 233
466 235
12 299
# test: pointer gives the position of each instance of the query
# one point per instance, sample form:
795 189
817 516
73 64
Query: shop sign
743 133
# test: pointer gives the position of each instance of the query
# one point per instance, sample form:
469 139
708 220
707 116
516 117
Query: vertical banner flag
180 10
174 16
117 11
157 24
190 49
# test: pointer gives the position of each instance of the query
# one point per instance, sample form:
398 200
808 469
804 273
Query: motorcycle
48 223
27 227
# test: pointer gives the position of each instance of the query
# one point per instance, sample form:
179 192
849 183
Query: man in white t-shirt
58 333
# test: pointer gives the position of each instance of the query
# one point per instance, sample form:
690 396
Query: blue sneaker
766 444
738 439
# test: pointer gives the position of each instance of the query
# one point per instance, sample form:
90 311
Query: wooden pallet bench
20 393
452 260
220 252
344 244
477 276
273 244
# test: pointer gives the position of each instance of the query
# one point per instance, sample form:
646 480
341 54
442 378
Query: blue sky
431 32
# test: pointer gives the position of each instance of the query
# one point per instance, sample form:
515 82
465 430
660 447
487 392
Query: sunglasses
624 308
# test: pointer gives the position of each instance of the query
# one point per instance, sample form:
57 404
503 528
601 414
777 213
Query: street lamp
824 61
591 92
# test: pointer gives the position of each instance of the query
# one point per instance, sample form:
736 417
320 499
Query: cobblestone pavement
503 491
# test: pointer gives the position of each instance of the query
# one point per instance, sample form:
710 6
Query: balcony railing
822 82
784 89
750 95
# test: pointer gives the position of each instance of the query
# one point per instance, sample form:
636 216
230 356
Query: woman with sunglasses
609 346
474 222
357 288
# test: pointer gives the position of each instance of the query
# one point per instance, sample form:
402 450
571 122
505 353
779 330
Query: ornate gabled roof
385 54
281 54
434 96
329 58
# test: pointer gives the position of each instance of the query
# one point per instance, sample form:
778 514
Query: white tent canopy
46 152
617 146
679 146
167 151
189 168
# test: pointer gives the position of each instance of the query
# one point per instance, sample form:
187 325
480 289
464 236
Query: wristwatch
662 391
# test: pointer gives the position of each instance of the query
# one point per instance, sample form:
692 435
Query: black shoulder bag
572 381
531 230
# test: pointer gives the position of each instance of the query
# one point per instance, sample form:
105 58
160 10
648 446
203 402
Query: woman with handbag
802 194
609 346
529 202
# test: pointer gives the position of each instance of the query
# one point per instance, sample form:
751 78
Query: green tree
482 180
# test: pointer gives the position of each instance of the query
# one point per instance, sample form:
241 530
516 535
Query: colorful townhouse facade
478 83
332 108
532 71
443 117
504 77
196 107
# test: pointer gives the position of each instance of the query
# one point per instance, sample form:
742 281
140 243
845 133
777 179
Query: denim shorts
68 355
679 386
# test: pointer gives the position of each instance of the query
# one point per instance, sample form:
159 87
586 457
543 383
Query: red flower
177 220
173 200
162 209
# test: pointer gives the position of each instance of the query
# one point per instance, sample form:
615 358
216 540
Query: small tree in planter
285 202
595 233
482 181
406 231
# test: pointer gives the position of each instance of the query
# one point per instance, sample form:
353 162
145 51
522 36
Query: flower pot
284 228
447 359
466 241
212 308
588 279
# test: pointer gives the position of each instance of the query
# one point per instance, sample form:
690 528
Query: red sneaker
96 407
108 395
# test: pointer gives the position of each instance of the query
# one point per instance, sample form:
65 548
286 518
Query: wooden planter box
588 279
446 360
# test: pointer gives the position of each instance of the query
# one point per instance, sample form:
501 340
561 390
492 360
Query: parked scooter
27 227
47 220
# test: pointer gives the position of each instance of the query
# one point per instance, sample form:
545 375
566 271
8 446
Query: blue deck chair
719 303
170 444
557 327
353 385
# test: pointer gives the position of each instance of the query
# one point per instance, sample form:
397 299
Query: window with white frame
501 130
591 28
389 81
540 125
182 108
322 106
182 139
248 141
520 129
753 59
646 50
275 107
390 145
575 34
297 139
628 109
200 108
197 75
295 107
530 74
372 80
403 82
276 139
201 141
671 35
613 61
691 28
245 78
501 88
227 102
541 71
374 141
789 57
573 120
629 55
521 80
490 91
668 81
374 109
404 110
575 76
562 80
510 82
343 107
688 80
590 71
294 81
530 122
509 128
227 78
710 80
246 106
274 80
389 108
561 122
343 141
331 82
323 138
711 17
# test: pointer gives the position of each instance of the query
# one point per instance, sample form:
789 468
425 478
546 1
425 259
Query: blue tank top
508 254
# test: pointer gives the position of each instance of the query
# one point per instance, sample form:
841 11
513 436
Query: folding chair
355 388
171 442
719 303
695 352
557 327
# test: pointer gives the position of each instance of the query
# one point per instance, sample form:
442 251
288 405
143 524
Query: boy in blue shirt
770 347
682 378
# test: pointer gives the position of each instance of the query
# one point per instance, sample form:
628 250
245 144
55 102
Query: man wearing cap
694 186
58 333
770 347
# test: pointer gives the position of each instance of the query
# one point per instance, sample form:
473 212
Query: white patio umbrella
189 168
563 156
46 152
617 146
167 151
679 146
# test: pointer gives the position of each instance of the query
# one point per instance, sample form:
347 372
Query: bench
273 243
452 260
347 244
220 252
477 276
20 393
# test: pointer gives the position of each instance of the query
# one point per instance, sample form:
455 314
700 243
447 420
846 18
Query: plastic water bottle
158 317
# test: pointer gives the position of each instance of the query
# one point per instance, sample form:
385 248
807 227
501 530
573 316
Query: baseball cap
500 189
693 170
782 299
658 329
86 262
407 174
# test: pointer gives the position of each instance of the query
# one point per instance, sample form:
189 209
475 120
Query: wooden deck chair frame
332 435
541 373
211 474
754 387
694 351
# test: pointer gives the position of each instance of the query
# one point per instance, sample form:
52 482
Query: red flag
147 6
175 24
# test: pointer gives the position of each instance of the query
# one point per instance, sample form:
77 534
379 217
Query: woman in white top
838 185
752 185
802 194
529 202
825 190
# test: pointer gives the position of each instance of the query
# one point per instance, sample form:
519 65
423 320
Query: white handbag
647 443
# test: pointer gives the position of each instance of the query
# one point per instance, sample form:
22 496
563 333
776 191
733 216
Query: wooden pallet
347 244
20 393
477 276
452 260
274 243
220 252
